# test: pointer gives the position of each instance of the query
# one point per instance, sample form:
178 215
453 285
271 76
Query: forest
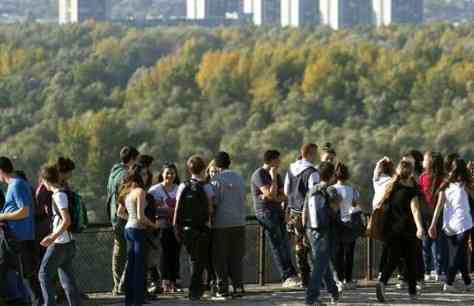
85 90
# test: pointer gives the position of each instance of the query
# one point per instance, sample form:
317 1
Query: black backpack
192 209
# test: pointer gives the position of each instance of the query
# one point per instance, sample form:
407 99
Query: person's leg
191 242
410 253
166 253
338 260
129 290
66 275
383 257
138 237
237 253
455 254
428 254
393 259
278 243
302 250
220 258
29 255
174 257
420 267
349 260
119 256
464 265
49 265
320 256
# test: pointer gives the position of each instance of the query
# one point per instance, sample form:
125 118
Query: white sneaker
450 289
340 286
427 277
291 282
420 286
401 285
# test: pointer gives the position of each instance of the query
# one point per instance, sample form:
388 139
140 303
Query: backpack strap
58 213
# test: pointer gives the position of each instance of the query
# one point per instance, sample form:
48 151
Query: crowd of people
424 204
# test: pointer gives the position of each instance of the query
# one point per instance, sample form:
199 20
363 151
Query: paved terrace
273 295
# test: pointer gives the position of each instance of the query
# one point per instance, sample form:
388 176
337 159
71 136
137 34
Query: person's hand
433 232
419 233
273 172
47 241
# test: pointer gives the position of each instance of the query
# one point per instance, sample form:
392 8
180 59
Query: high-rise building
203 9
264 12
296 13
340 14
386 12
71 11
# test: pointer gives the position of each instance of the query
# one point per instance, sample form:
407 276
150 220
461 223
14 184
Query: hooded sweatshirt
117 174
296 169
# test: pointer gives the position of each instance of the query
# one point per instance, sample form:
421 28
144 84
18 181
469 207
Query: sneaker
238 292
469 287
350 285
450 289
291 282
427 277
220 296
401 285
420 285
340 286
380 290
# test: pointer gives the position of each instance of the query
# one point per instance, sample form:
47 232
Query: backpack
318 211
298 188
77 211
192 209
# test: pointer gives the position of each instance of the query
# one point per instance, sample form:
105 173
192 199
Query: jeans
119 255
59 257
273 222
135 272
321 246
197 243
457 257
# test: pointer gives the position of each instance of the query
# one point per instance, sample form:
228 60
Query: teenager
128 156
60 245
453 202
132 204
228 227
165 193
434 254
301 176
192 221
320 220
402 228
18 214
348 229
268 196
328 154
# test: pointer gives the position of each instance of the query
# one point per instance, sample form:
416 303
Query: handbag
375 226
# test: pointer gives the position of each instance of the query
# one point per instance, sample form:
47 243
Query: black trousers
169 257
401 248
344 260
228 251
196 242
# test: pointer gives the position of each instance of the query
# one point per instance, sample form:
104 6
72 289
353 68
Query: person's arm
439 208
269 190
416 212
141 203
286 188
24 200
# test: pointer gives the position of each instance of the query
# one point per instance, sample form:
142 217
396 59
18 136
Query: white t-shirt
159 194
349 195
379 182
457 212
61 202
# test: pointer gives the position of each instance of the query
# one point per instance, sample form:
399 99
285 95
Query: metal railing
94 253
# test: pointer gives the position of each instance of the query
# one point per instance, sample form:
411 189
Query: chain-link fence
94 254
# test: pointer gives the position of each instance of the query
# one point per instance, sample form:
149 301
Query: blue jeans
457 257
59 257
135 273
273 222
321 246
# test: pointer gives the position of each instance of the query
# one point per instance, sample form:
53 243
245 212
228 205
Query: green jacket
117 174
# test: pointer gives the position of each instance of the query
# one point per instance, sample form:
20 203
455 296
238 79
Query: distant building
340 14
386 12
296 13
71 11
264 12
203 9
